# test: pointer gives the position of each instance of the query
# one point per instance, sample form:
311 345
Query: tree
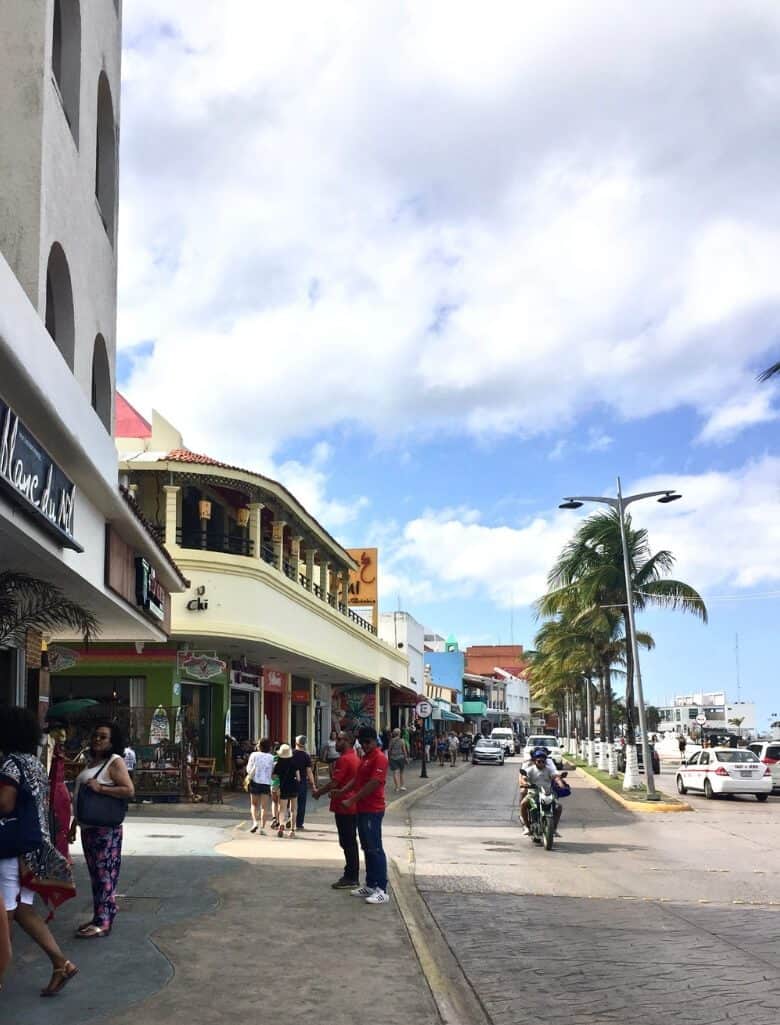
737 721
589 574
769 372
652 718
27 603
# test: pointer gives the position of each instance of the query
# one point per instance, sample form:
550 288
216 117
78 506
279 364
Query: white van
506 737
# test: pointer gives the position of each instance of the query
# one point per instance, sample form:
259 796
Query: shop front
275 697
245 691
300 704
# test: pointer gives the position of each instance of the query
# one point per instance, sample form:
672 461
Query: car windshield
735 756
488 743
543 742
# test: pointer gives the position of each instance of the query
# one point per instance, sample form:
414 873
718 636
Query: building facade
63 517
681 714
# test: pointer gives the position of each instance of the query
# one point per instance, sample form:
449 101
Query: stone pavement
220 925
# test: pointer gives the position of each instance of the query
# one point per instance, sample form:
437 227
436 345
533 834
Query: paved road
628 919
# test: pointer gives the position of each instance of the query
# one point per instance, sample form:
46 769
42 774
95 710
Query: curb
427 788
650 807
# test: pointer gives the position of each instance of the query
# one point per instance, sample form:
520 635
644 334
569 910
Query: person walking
464 743
344 772
442 749
330 754
259 769
369 801
303 763
287 774
682 743
43 870
398 755
453 748
106 774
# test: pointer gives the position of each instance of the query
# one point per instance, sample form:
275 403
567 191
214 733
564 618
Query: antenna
736 659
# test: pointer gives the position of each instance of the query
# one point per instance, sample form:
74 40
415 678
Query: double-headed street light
619 505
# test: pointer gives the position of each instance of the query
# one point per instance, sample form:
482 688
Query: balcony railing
211 541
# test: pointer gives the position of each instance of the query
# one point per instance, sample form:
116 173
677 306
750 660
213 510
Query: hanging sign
34 481
61 659
149 592
202 667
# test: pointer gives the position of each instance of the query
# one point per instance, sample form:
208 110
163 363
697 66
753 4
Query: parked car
768 752
488 751
504 735
621 758
552 744
725 770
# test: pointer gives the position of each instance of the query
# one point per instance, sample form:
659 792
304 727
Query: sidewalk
251 928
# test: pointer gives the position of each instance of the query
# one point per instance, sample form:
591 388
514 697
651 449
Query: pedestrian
453 746
398 755
340 785
369 800
682 743
259 770
465 746
43 870
276 802
106 774
302 762
130 759
330 754
442 749
59 795
289 780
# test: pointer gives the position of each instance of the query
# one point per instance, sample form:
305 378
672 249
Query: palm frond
29 603
769 372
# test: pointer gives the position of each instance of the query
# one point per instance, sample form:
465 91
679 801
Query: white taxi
725 770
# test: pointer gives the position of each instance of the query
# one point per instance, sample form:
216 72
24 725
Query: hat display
285 751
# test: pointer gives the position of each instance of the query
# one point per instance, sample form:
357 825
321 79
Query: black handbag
20 829
94 809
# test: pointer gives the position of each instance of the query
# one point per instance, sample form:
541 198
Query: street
628 919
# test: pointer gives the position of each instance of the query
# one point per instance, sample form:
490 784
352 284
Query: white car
552 744
487 750
504 736
725 770
768 752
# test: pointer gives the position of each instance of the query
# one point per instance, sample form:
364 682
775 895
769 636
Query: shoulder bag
94 809
20 829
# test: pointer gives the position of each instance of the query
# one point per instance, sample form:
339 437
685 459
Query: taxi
725 770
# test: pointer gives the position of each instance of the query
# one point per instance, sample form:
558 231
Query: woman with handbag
100 801
29 862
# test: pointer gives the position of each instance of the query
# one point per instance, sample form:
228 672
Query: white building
403 631
680 714
514 695
434 641
62 515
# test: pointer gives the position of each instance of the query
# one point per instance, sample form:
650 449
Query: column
377 707
255 529
345 587
278 539
324 567
295 555
310 554
171 513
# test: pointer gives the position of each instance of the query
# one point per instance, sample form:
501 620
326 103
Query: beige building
62 515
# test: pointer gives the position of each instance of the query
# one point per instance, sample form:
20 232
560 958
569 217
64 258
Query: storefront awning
450 716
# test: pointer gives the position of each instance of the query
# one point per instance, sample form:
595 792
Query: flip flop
60 978
93 932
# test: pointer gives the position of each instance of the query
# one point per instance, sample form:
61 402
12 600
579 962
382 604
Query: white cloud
736 414
309 483
725 533
436 217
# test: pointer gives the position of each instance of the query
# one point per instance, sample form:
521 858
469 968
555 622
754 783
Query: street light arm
645 494
592 498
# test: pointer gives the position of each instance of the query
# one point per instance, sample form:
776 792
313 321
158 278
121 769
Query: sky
436 266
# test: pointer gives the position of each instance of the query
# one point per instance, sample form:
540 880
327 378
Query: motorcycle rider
542 774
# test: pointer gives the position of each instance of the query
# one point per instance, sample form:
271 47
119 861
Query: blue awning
451 716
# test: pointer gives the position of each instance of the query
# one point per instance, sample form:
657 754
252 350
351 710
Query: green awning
451 716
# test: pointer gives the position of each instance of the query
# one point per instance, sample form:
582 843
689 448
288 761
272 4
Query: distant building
404 632
680 714
434 641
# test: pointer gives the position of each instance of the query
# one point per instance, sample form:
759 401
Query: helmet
539 752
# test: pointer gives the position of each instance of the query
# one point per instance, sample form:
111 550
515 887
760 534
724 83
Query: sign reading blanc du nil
32 479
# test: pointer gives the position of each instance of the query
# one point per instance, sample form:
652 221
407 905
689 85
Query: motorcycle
541 809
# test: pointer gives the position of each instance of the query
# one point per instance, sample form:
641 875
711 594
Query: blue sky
436 267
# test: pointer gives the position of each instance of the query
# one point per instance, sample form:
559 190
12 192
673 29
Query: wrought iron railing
211 541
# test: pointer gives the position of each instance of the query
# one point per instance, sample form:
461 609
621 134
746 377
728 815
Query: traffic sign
701 719
423 709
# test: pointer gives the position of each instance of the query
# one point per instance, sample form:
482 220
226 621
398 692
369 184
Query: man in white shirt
543 774
130 760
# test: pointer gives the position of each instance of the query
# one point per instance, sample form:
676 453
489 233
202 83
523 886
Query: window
736 756
694 760
101 383
59 304
105 156
692 713
66 59
705 758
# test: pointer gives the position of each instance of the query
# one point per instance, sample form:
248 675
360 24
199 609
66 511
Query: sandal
92 932
60 977
85 925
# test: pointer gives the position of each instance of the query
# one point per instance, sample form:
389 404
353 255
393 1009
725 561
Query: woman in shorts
398 754
260 769
289 778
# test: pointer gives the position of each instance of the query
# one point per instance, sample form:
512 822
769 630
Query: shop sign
32 478
61 659
149 592
273 680
363 580
202 667
300 697
199 603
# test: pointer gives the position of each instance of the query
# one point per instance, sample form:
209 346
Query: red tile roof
183 455
129 422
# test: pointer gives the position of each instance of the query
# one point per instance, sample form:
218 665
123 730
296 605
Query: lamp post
619 504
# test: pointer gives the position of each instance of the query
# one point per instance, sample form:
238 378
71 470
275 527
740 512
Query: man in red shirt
369 799
344 773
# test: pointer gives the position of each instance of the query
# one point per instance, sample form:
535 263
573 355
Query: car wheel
761 797
681 787
708 791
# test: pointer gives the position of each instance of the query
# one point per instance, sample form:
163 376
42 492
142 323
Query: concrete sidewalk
250 927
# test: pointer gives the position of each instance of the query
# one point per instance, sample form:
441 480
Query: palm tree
27 603
769 372
590 574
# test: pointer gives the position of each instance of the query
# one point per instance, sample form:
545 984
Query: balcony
473 707
212 541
